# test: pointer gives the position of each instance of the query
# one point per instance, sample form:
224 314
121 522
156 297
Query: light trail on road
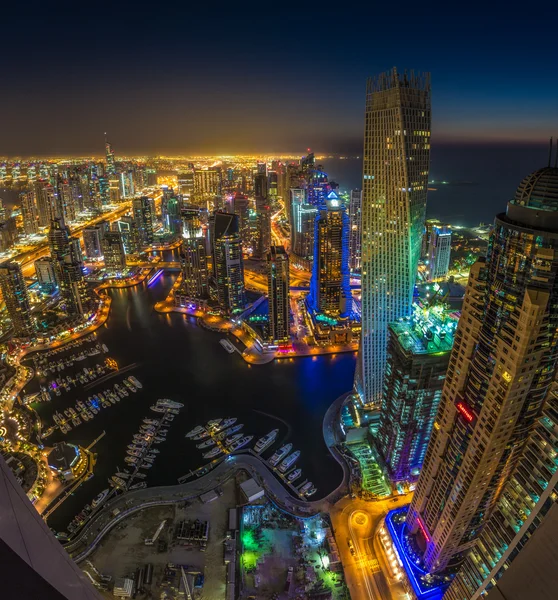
362 558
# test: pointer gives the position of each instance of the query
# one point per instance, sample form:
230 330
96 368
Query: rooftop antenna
550 152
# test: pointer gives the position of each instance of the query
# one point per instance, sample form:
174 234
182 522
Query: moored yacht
266 441
280 454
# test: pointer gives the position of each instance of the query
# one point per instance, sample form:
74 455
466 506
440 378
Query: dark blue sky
242 77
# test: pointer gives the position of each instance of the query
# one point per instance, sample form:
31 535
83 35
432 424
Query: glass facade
395 180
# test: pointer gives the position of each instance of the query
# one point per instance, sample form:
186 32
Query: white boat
196 431
227 345
207 444
232 439
226 423
215 452
214 423
266 441
135 381
240 443
311 491
305 487
145 465
294 475
166 403
138 486
280 454
100 498
289 461
228 432
158 409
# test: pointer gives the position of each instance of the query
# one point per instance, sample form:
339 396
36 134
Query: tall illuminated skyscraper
330 290
193 256
113 252
395 179
528 503
228 263
278 294
143 210
263 212
503 360
16 297
302 220
29 212
111 161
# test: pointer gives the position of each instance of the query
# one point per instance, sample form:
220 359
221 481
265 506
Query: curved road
133 501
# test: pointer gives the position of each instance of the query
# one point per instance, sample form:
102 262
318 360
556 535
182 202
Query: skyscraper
29 212
228 263
170 210
303 218
193 256
355 230
395 179
524 506
93 241
241 207
439 253
263 212
278 294
46 274
130 235
111 161
68 263
48 206
417 359
503 360
34 562
16 297
330 291
113 251
143 210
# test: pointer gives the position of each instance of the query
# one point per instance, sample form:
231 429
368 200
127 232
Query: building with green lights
417 359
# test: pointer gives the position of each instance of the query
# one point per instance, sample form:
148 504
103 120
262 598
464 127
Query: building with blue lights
418 354
330 290
395 181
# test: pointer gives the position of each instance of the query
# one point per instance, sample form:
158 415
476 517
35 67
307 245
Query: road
365 570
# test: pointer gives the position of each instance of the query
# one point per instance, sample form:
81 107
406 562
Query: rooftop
429 330
539 190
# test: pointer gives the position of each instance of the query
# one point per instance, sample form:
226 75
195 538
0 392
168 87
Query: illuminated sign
465 411
423 529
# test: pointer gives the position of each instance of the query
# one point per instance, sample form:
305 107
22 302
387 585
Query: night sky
264 77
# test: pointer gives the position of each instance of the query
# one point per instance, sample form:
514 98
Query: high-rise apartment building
111 160
355 230
16 298
46 274
113 251
418 354
207 184
195 275
130 234
185 181
8 234
278 294
302 221
241 208
29 212
503 360
48 206
35 563
228 263
330 290
143 210
529 498
395 180
439 253
170 211
66 200
93 241
262 240
68 263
